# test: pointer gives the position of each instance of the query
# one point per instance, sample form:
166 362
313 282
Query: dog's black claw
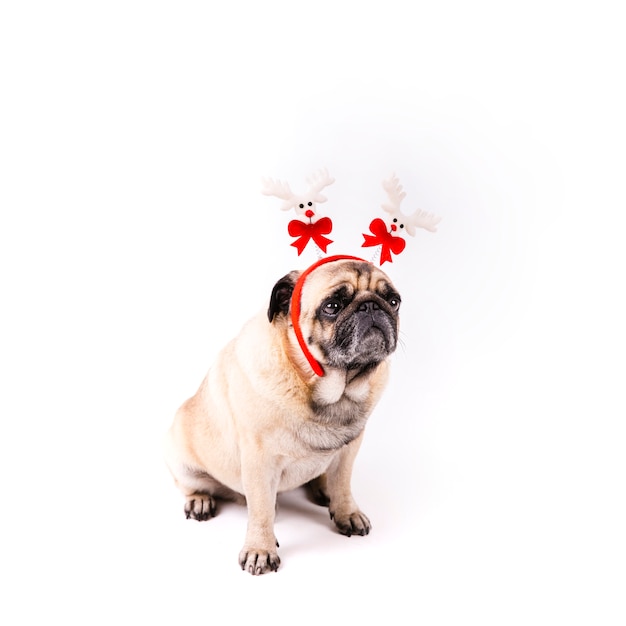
257 563
354 524
202 507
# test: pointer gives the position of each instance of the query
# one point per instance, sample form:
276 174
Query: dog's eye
302 206
394 303
332 307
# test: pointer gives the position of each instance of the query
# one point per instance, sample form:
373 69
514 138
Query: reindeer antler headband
308 226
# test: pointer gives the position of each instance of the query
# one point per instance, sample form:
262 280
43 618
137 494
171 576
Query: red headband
296 303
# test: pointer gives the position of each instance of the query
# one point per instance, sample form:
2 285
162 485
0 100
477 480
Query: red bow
381 237
305 232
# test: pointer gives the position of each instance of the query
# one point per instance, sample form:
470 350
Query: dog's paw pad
200 506
354 523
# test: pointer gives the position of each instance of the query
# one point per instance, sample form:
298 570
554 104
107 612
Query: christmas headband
310 226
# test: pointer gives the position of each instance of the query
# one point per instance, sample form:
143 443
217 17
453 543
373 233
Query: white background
134 242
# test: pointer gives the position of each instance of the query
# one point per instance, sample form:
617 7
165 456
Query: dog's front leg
260 483
349 519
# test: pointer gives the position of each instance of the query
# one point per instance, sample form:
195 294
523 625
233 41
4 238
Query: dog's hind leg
201 493
200 489
317 491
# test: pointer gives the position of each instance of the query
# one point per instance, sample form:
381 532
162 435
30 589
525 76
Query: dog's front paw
351 522
257 561
200 506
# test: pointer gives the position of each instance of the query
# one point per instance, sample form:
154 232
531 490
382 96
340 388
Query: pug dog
286 403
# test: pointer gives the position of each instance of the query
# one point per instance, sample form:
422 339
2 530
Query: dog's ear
281 295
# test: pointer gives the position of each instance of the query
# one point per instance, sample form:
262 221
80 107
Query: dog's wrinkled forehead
349 276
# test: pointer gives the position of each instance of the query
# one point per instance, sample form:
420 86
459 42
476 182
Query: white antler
304 203
419 219
395 194
280 190
317 182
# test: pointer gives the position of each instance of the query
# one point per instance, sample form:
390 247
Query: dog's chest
338 415
334 389
303 470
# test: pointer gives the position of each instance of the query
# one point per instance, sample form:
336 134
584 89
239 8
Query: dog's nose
368 306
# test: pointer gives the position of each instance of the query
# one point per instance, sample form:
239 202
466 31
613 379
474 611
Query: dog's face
349 313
